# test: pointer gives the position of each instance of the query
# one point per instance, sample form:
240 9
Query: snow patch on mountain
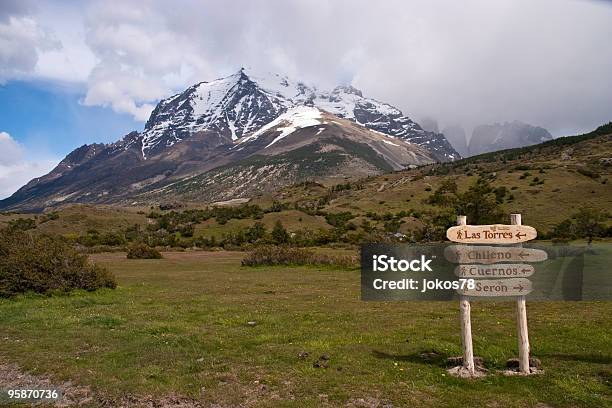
295 118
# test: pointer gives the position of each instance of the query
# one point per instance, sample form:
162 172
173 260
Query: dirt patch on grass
463 372
73 395
12 377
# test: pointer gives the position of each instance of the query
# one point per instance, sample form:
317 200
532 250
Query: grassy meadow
180 326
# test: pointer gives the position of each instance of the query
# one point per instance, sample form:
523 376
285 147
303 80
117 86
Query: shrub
587 172
283 255
49 217
140 250
279 233
22 224
45 264
339 220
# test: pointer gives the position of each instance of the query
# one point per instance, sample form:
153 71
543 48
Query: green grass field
178 326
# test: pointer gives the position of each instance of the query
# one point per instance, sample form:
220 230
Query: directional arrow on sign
498 288
467 254
494 271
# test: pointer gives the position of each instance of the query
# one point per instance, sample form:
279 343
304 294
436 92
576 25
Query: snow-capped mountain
237 136
244 102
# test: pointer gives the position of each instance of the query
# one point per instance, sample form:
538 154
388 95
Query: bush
45 264
22 224
284 255
140 250
339 220
280 234
587 172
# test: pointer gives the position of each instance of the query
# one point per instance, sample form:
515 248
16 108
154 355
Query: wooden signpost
516 284
494 271
490 254
521 319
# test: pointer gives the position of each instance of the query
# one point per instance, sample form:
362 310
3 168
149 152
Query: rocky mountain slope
508 135
283 131
455 134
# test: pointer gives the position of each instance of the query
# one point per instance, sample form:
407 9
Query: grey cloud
10 8
546 63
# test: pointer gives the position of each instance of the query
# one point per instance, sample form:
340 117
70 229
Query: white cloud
16 168
141 59
21 41
11 152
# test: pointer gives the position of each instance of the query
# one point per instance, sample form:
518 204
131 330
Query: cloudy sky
78 72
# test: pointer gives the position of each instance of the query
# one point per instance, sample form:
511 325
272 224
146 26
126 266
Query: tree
256 232
564 231
479 203
589 223
279 233
445 194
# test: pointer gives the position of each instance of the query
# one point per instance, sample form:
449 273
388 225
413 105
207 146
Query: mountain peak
347 89
498 136
244 102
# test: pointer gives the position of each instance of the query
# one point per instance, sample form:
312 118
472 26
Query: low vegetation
45 264
283 255
139 250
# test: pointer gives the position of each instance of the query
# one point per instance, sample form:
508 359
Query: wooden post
466 322
521 319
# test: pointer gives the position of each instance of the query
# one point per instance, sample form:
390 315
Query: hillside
547 183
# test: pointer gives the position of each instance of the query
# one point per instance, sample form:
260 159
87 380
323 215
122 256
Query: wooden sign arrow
494 271
498 287
491 234
466 254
